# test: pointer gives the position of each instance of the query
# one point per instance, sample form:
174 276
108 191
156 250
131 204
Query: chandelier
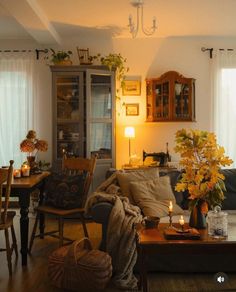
134 29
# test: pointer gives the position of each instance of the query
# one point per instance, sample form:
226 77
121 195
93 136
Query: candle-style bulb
181 220
154 25
130 20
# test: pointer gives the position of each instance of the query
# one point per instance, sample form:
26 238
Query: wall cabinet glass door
171 97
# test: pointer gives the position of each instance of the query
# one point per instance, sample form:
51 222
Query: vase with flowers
201 159
31 145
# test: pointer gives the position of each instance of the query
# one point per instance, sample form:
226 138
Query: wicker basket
78 265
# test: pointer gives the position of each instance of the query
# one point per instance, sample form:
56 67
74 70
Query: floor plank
34 277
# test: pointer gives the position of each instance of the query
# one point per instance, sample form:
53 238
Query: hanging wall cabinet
170 97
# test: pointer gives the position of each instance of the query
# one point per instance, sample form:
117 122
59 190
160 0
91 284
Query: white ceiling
49 21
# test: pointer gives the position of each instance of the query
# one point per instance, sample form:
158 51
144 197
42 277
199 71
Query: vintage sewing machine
162 157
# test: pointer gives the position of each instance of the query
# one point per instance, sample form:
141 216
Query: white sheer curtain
17 103
224 100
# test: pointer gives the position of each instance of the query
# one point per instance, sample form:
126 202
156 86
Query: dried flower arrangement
32 145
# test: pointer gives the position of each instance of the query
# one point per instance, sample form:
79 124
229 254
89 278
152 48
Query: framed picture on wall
132 109
132 87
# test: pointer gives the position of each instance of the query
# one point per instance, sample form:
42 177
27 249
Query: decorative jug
217 223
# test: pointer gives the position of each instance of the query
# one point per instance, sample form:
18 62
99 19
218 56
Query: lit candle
17 173
25 170
171 207
154 23
181 220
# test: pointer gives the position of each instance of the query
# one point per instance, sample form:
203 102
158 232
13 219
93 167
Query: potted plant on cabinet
61 57
118 63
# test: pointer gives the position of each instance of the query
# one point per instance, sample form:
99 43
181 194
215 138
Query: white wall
149 57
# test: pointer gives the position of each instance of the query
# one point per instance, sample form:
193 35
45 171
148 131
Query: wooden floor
34 276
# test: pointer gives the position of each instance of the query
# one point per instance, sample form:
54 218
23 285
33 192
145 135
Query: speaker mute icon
220 278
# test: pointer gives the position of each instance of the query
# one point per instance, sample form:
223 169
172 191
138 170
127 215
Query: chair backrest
5 177
76 165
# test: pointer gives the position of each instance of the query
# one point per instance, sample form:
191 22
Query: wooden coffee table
152 241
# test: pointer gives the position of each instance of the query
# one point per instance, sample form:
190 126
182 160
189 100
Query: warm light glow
129 132
25 170
17 173
171 207
181 220
25 166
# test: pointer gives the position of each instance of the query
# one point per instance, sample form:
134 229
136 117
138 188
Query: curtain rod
37 51
203 49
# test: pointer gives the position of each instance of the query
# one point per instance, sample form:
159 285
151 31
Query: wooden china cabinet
170 97
84 115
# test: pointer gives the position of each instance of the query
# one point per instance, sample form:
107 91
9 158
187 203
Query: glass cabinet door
100 113
101 140
149 101
182 109
162 100
69 115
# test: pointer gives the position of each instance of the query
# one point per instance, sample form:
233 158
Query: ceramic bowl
151 221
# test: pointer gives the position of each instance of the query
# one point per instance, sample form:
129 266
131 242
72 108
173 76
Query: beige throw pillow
124 179
153 196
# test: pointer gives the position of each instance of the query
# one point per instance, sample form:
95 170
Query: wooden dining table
22 188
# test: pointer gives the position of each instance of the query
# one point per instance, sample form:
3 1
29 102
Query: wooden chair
70 166
6 219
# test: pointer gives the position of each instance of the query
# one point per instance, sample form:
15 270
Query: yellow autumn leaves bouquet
201 158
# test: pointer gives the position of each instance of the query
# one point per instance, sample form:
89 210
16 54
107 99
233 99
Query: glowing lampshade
129 132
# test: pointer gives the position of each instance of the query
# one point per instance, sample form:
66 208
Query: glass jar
217 223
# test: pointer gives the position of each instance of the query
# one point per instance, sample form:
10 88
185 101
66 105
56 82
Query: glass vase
32 163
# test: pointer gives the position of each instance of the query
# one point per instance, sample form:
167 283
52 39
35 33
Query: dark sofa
183 263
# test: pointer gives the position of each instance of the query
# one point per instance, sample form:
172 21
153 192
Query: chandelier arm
151 30
135 30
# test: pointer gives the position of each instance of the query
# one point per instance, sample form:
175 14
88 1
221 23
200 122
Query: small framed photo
132 87
132 109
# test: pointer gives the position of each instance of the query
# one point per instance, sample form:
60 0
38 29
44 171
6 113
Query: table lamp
129 133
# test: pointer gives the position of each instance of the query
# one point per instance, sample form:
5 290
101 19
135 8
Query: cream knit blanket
121 241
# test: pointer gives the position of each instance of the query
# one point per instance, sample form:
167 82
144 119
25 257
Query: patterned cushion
63 191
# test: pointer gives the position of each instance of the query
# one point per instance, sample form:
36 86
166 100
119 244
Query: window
224 101
17 104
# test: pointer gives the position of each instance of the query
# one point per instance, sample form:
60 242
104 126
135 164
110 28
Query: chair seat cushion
64 191
59 211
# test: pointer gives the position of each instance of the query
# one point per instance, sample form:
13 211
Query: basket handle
84 245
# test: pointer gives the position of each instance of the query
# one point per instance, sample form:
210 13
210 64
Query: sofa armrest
100 213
